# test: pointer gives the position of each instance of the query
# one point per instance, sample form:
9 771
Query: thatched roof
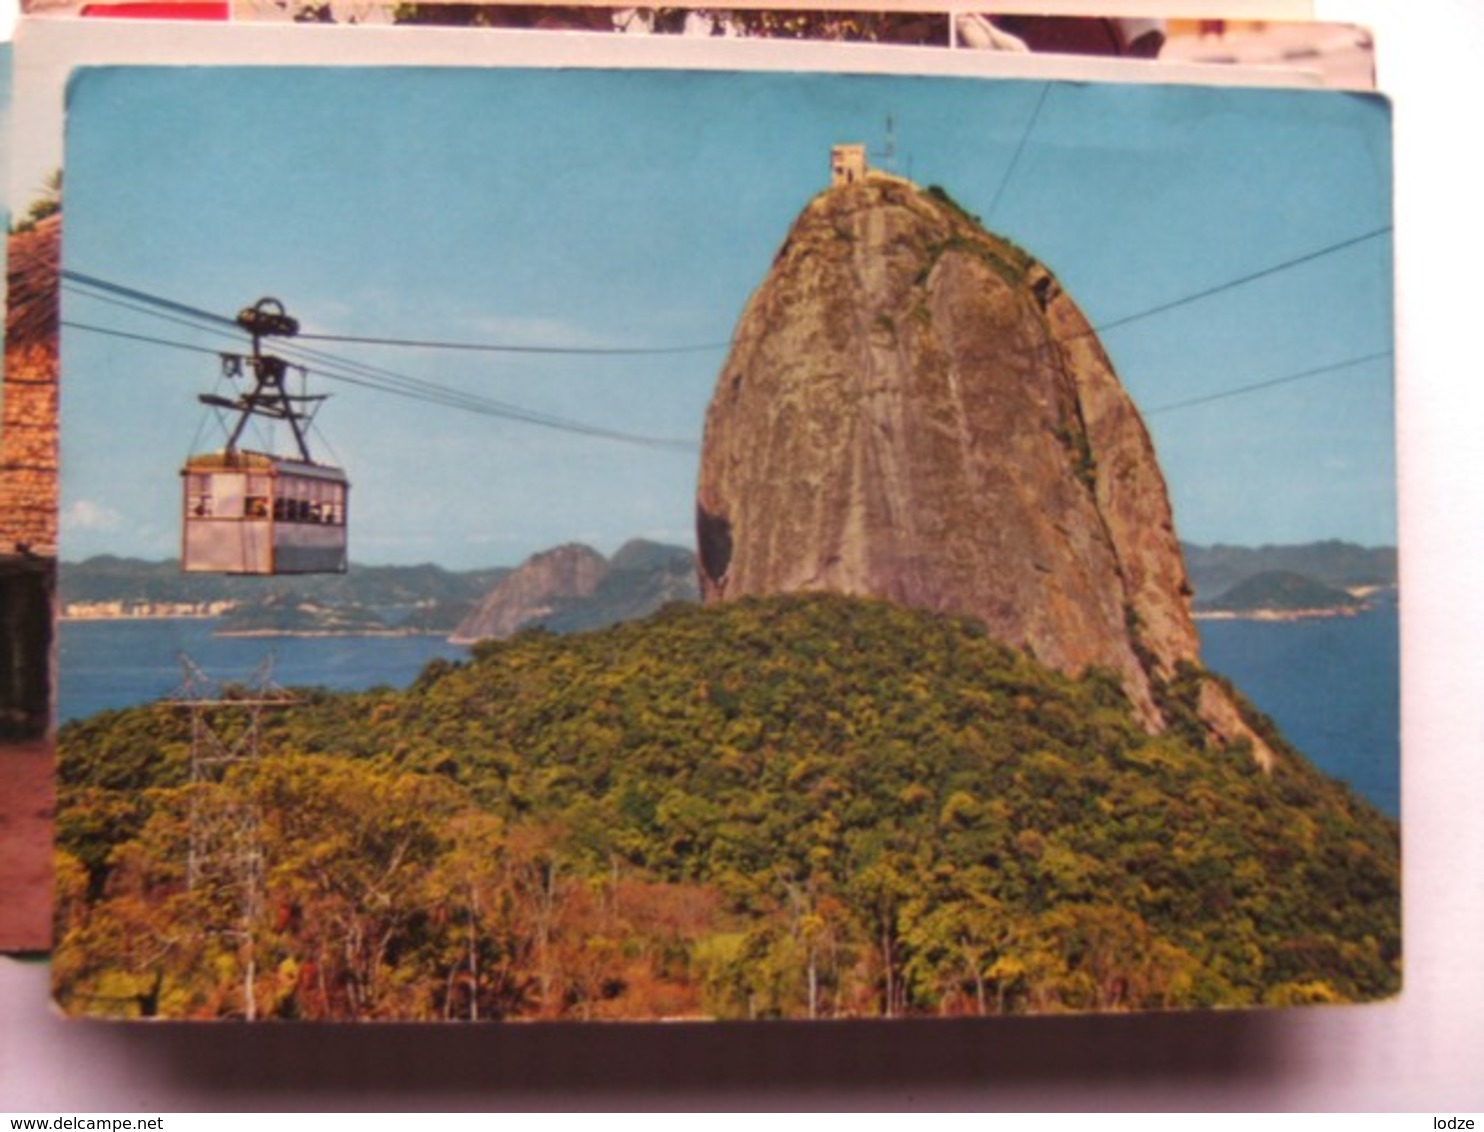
34 258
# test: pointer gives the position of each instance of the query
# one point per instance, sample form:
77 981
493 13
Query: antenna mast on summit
889 150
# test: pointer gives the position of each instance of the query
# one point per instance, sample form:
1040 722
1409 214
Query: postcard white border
1419 1053
47 50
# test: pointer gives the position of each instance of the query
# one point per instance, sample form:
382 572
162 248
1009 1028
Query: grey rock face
914 409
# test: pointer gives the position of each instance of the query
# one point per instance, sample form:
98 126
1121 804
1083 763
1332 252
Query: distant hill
294 615
1215 570
639 578
1279 592
574 588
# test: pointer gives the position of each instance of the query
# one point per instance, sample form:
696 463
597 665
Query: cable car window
227 491
198 496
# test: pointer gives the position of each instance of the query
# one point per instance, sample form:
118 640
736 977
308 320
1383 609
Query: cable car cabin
249 513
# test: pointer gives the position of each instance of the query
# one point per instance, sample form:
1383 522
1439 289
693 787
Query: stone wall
28 481
28 411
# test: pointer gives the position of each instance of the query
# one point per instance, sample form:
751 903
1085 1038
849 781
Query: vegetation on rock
791 806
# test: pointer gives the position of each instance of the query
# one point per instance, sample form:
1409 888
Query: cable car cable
505 412
404 385
1100 328
1239 281
137 308
377 376
433 394
1257 386
146 297
71 325
421 390
470 403
391 381
324 440
500 348
1019 149
196 312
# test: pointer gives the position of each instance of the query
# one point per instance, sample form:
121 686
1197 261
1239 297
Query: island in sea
1288 583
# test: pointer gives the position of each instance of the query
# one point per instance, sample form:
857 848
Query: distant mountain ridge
293 615
1214 570
640 576
565 589
574 588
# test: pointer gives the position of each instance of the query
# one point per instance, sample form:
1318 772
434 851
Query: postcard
1277 36
589 544
53 47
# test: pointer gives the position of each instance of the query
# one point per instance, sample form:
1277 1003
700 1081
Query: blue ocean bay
115 664
1332 684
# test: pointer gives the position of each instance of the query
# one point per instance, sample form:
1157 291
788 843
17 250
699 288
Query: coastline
79 618
1367 601
1277 614
118 618
243 633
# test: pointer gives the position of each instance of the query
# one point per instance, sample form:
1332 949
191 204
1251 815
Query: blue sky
635 208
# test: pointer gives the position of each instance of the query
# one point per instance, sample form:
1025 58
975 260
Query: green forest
804 806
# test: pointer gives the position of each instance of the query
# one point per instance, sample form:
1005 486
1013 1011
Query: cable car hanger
269 396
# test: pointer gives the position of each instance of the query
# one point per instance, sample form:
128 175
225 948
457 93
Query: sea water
1333 686
116 664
